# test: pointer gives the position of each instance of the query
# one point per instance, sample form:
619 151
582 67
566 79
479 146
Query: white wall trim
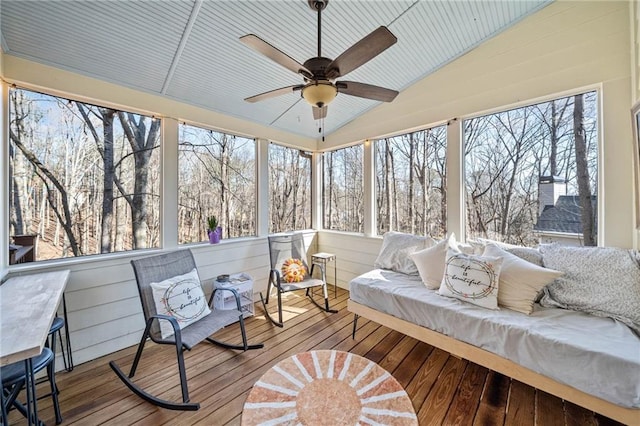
455 180
262 187
169 185
317 179
4 180
370 213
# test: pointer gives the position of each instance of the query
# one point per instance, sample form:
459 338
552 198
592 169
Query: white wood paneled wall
355 254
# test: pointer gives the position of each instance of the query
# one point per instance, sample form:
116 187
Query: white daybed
591 361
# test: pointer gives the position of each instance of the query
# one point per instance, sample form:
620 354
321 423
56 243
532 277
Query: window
531 173
411 181
343 189
289 189
84 179
217 177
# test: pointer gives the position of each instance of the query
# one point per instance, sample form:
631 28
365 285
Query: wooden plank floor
444 390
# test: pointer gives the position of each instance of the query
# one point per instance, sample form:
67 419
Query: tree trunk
412 222
388 184
582 170
142 144
554 139
107 181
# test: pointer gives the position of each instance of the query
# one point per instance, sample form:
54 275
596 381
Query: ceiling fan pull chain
321 128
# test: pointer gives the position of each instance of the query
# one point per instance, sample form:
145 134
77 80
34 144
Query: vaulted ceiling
188 50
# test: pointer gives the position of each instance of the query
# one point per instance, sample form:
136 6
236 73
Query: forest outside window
410 182
531 173
217 177
343 189
83 179
289 189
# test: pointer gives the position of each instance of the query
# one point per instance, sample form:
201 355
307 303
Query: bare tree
63 213
584 187
142 142
105 146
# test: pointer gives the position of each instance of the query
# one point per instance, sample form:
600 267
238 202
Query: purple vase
214 237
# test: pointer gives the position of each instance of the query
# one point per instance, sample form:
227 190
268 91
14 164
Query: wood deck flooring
444 390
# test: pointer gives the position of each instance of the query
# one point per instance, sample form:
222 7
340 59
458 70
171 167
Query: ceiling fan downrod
318 6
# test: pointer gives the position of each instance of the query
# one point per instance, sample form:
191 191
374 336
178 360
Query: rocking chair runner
157 269
281 248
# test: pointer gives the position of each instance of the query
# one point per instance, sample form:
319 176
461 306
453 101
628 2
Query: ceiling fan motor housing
318 67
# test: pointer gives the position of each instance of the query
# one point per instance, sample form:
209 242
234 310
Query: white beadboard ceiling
189 50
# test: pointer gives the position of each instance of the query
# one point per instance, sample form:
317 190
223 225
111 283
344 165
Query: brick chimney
550 188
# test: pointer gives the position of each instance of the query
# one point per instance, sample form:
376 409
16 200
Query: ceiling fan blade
362 52
274 93
319 113
369 91
276 55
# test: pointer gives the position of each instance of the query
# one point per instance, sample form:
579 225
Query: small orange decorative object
293 270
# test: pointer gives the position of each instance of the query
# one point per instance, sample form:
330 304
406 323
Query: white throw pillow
396 249
431 261
180 297
472 278
520 281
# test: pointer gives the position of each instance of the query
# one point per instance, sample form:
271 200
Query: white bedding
596 355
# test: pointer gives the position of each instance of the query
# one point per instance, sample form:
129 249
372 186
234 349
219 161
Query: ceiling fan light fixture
319 93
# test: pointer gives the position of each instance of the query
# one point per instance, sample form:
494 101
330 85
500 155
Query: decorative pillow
602 281
396 249
520 281
293 271
472 278
470 247
431 261
502 245
180 297
530 254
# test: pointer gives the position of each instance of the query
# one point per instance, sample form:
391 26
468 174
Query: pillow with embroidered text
180 297
472 278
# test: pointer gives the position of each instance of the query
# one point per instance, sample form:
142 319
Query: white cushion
396 249
520 281
431 261
471 278
180 297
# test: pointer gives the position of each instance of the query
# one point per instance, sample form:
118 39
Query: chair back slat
286 246
155 269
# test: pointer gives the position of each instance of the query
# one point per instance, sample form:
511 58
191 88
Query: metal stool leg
68 358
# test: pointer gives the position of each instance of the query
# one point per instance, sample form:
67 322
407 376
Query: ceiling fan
319 73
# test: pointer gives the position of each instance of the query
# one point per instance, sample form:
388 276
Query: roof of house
564 216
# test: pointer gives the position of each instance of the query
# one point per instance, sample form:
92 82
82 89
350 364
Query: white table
28 304
243 284
321 259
